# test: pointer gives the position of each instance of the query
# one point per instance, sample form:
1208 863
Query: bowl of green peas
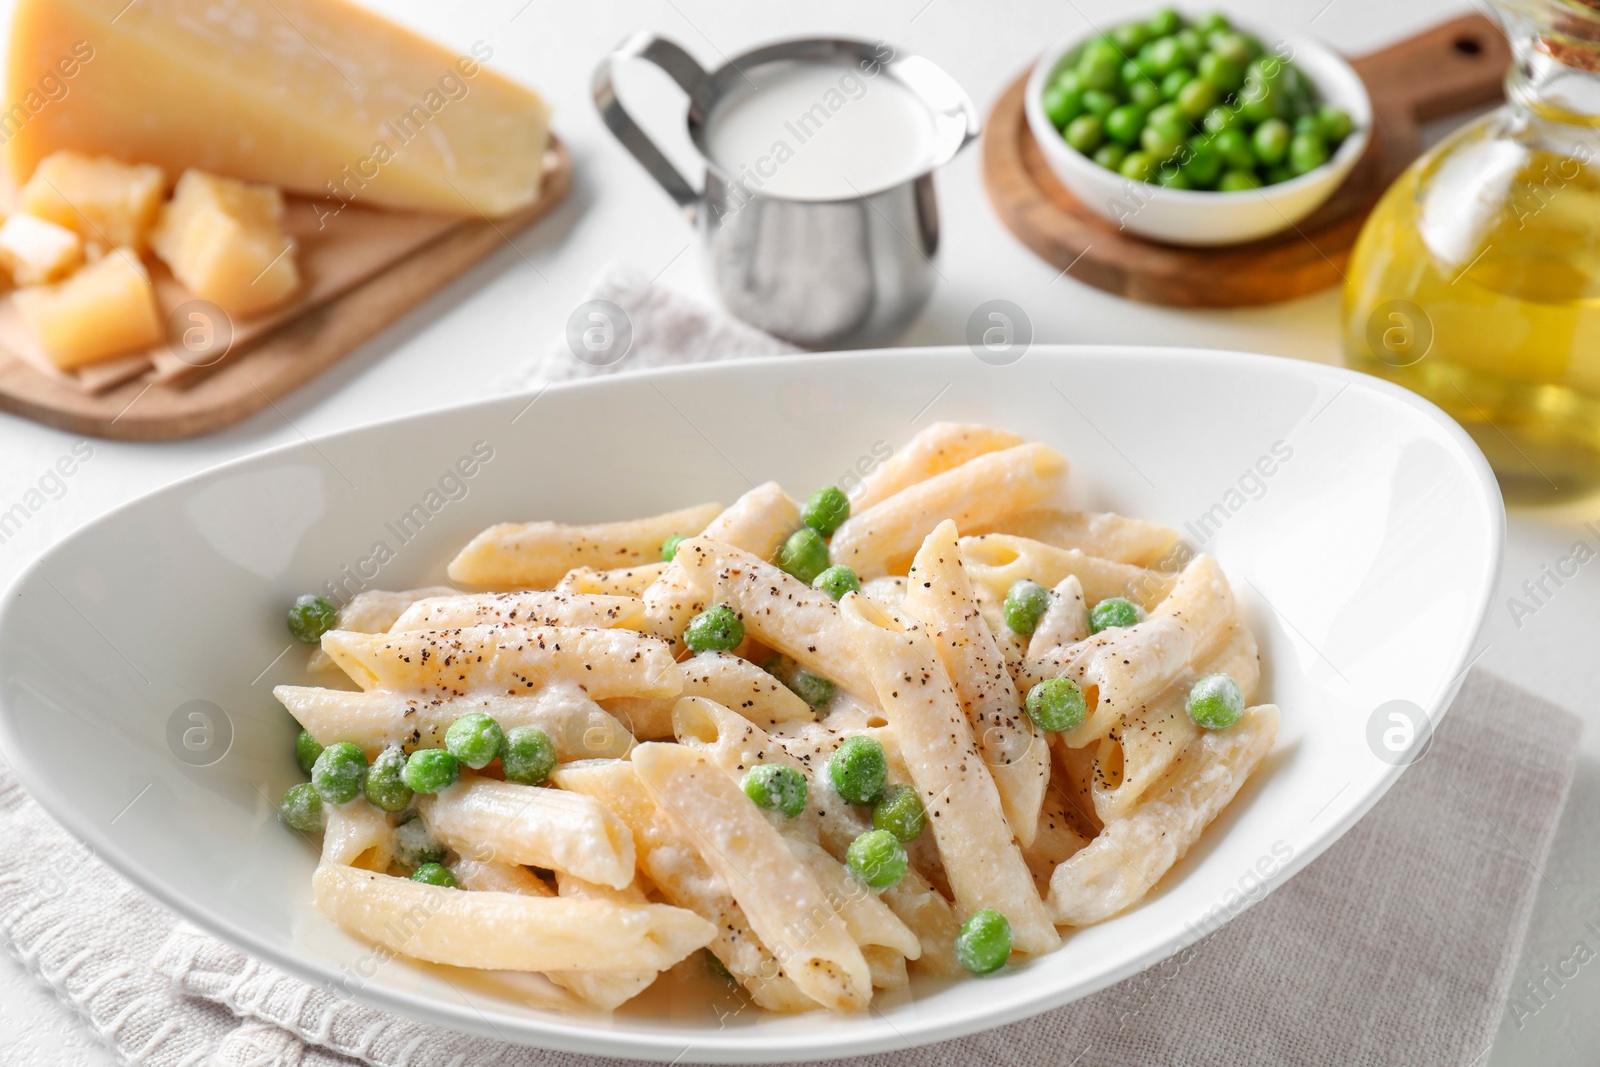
1195 130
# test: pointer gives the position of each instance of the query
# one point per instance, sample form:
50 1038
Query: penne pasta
373 611
997 561
786 907
377 718
882 539
357 835
1125 861
604 989
939 596
520 609
1065 622
1057 841
757 523
619 581
511 660
741 686
941 447
486 819
1094 533
504 931
491 876
983 863
537 555
646 718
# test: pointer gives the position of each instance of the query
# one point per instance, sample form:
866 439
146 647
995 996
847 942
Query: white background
513 307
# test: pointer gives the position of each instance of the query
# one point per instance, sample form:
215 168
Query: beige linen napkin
1396 947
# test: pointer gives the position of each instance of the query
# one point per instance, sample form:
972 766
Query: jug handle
683 69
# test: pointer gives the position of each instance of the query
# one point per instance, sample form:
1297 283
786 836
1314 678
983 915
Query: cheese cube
104 200
106 309
320 97
37 252
224 240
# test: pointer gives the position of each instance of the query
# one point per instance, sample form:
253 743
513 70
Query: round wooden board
1441 71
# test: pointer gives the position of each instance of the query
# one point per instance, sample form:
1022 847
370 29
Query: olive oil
1476 283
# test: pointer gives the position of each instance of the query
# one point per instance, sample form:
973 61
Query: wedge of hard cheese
317 96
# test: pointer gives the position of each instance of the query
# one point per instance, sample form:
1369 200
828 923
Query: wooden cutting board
1442 71
362 269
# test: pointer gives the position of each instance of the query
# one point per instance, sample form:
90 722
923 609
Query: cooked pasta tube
883 538
738 684
377 718
781 612
781 898
490 876
372 611
537 555
618 581
1094 533
1057 840
505 931
939 596
1131 854
357 835
1000 560
603 989
1140 749
512 660
942 446
887 967
756 523
509 823
671 862
1064 622
520 609
981 859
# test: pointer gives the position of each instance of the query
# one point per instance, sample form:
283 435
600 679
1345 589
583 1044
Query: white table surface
514 306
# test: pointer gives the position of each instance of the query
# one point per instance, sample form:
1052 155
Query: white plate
1364 562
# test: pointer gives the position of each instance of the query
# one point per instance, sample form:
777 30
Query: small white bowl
1197 217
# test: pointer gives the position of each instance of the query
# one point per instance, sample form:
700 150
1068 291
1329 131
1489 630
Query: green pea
1069 81
1225 73
386 787
1307 152
858 769
1123 124
1237 181
899 811
1099 104
301 809
1335 122
529 755
984 942
716 629
415 846
1112 611
1056 704
434 874
1025 604
474 739
1271 141
1099 65
876 859
1145 94
431 770
1220 118
1164 22
1233 145
814 689
1233 47
1215 702
1196 98
1165 130
1279 173
1267 69
1139 166
669 547
1307 123
1215 22
310 617
773 785
1084 133
837 580
1110 155
805 554
339 773
1160 57
306 750
1173 83
1171 177
1061 106
826 511
1129 74
1130 37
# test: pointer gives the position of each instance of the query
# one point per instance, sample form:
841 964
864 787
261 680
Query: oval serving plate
1360 527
